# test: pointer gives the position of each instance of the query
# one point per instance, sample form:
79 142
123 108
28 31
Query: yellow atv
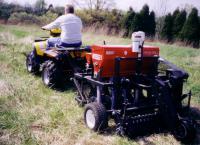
56 64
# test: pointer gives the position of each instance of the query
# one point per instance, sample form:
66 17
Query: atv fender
40 47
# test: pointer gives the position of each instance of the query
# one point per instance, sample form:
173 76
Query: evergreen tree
178 23
190 31
144 15
128 22
5 10
166 32
199 30
175 13
152 24
136 25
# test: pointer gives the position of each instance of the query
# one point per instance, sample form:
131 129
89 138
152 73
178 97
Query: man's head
69 9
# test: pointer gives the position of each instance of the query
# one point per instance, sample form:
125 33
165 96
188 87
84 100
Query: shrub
47 17
23 17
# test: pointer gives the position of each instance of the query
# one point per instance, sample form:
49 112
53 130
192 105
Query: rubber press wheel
185 131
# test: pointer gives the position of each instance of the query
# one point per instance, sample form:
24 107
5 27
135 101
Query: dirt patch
26 41
196 60
2 46
6 138
6 89
7 37
5 68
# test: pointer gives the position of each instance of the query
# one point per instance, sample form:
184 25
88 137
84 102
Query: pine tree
152 24
142 21
136 25
144 14
190 32
178 23
199 30
127 22
166 32
175 13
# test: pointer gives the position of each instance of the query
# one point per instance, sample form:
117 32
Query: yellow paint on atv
56 31
40 47
41 50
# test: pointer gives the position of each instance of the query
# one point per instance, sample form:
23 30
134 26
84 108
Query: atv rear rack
61 48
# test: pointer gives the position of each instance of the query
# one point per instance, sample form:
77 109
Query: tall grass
30 113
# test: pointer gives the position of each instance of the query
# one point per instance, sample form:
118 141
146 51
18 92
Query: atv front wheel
32 63
95 116
52 74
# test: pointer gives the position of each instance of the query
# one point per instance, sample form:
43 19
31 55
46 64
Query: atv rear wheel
32 63
95 116
52 74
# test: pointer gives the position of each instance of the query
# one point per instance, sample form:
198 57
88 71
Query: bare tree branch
94 4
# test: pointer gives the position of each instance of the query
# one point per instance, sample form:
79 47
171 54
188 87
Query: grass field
32 114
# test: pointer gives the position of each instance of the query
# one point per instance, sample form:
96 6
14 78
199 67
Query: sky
159 6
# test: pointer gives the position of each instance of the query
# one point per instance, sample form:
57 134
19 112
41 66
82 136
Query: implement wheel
95 116
185 131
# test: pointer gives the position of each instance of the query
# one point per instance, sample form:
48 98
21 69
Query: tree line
179 26
142 21
183 27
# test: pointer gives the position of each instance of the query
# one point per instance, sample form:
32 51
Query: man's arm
53 25
81 24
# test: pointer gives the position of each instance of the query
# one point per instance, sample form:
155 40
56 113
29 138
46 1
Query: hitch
184 96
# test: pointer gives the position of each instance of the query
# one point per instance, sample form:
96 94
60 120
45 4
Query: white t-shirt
71 26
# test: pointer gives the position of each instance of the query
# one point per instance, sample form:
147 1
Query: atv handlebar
43 28
55 30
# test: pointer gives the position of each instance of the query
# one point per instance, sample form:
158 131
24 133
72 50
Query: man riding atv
61 54
70 25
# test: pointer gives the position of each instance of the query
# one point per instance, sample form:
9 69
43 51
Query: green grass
30 113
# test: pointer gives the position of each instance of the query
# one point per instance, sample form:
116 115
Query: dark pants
51 42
